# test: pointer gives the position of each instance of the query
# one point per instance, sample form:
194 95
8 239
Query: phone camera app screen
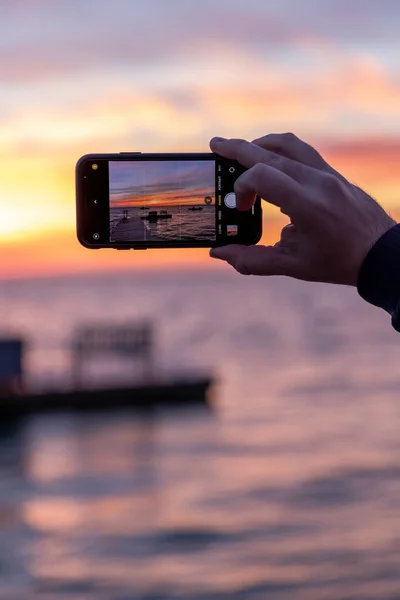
162 200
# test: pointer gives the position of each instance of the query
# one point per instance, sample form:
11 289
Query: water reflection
291 489
183 506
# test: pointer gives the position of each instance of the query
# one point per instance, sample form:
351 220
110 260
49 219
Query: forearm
379 277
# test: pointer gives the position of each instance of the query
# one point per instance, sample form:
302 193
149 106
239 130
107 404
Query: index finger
249 154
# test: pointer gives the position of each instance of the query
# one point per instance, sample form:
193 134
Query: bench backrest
129 340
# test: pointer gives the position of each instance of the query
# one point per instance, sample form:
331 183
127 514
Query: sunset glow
166 183
107 77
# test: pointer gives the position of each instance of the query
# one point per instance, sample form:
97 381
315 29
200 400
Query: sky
98 76
169 183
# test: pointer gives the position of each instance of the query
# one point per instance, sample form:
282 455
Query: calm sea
289 488
184 224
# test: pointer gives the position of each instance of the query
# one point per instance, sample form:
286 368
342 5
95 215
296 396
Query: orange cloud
333 93
349 95
371 163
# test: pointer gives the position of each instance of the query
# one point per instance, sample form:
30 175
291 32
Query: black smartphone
140 201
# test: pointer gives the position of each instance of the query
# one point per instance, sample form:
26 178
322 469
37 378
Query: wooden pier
131 229
129 341
175 392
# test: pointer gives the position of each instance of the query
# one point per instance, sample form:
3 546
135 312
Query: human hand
333 222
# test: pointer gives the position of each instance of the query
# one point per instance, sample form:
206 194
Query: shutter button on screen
230 200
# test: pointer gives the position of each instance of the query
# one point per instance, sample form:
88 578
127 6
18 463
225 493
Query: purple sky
75 61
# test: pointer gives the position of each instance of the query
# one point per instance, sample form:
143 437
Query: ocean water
288 488
184 224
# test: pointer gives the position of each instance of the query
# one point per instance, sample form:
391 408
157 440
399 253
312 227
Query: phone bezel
85 213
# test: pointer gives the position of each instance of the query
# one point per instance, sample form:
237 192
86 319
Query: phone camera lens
96 236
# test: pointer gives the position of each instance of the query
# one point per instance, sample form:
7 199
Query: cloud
47 39
339 95
99 76
160 75
372 163
166 180
53 38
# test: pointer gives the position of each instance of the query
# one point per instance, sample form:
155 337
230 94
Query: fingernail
218 139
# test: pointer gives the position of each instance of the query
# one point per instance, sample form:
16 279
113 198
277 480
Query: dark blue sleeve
379 277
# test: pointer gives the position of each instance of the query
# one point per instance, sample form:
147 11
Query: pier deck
131 229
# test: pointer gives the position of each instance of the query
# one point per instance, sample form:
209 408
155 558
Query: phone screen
162 201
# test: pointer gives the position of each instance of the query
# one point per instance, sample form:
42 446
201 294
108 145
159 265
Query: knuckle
257 172
250 180
258 169
265 139
289 137
239 141
331 183
241 146
275 160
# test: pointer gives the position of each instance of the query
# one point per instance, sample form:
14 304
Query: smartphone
139 201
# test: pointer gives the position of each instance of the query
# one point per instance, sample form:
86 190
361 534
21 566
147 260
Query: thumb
257 260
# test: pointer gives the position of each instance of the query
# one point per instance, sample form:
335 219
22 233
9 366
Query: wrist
379 277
